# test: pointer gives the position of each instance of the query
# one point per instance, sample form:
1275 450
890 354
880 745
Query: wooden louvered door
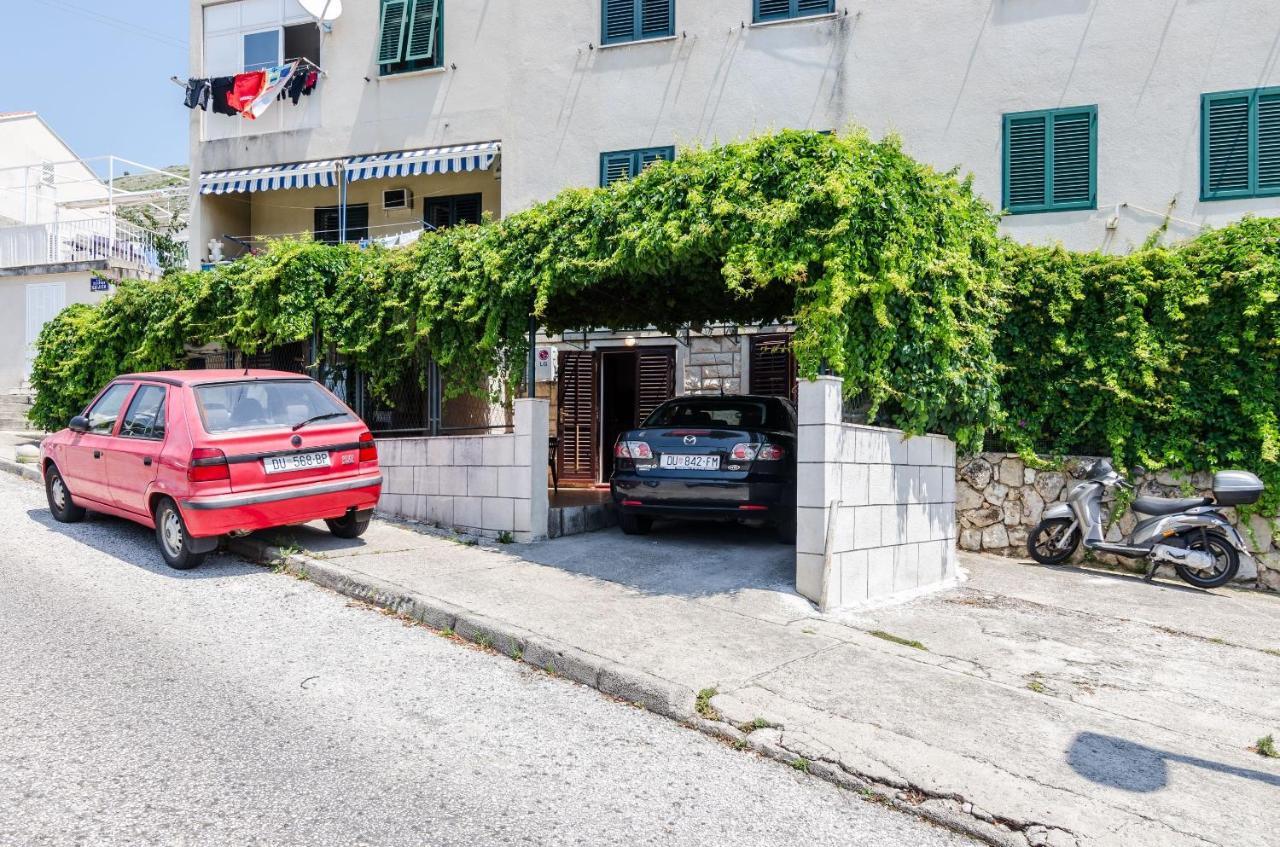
655 380
773 366
577 416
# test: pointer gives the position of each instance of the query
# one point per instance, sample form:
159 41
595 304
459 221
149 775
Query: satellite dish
323 11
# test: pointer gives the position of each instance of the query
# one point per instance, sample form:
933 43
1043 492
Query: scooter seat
1168 506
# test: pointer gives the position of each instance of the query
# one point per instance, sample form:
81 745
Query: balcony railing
89 239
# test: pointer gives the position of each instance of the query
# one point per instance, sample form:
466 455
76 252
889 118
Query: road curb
611 678
25 471
653 693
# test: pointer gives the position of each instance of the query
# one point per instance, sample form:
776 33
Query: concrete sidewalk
1037 706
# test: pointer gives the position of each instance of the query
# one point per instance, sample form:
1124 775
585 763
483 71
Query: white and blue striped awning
324 174
432 160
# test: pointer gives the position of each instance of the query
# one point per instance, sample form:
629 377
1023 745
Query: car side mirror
79 424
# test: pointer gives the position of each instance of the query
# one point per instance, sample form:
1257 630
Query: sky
98 73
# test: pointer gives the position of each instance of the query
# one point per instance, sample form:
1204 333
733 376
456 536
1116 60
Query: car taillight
632 450
208 464
368 448
770 453
743 452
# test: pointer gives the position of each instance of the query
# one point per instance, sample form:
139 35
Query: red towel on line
246 89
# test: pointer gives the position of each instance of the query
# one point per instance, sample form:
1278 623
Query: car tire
61 506
172 536
633 524
349 525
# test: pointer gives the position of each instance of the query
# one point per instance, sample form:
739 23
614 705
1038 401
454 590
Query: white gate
44 301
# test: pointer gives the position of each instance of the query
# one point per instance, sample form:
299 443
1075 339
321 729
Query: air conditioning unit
397 198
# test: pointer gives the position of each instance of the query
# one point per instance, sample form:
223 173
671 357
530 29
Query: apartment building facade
62 240
1091 122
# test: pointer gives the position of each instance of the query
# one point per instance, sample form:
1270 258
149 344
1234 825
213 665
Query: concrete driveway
1034 705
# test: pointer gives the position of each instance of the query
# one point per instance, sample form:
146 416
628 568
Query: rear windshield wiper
300 424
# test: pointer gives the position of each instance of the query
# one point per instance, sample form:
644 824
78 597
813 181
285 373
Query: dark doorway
600 394
618 378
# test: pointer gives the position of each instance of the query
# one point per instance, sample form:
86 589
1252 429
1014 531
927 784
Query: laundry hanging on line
250 94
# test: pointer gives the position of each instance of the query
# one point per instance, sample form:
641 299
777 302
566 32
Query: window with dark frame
444 212
327 226
302 41
410 36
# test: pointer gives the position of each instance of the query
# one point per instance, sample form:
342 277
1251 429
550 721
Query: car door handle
146 460
97 454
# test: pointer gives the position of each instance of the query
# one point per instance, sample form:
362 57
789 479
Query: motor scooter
1189 533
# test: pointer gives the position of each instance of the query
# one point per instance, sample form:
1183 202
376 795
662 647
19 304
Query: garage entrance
603 393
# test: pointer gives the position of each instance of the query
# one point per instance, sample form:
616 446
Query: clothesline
303 59
250 93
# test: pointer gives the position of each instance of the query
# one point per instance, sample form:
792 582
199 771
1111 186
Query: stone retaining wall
999 500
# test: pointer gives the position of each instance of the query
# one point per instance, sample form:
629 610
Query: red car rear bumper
254 510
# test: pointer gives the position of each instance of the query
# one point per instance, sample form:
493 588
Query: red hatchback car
200 454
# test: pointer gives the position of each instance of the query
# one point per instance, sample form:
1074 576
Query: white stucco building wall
940 73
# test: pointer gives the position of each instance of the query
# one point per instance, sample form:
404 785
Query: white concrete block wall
481 484
892 501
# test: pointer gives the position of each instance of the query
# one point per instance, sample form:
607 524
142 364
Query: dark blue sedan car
709 457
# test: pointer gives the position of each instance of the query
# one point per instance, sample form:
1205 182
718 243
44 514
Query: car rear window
262 404
736 414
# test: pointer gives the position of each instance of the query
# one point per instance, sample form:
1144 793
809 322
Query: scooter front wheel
1226 561
1047 543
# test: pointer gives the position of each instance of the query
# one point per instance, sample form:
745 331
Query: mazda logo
690 439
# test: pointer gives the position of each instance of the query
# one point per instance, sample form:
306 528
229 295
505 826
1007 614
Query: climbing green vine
889 269
1168 357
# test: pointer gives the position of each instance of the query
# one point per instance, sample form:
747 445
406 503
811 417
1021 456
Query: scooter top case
1236 488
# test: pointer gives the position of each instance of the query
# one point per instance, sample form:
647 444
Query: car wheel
633 524
60 503
171 534
349 525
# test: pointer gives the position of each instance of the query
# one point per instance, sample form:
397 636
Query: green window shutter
1226 145
656 154
619 20
624 164
814 7
1268 143
1073 146
422 29
391 34
1026 147
616 166
657 18
772 10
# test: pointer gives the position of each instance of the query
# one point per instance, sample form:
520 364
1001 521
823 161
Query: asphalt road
232 705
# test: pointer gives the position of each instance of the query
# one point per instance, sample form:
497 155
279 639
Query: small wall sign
97 283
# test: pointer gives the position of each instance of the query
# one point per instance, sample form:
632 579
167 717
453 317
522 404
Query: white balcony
123 244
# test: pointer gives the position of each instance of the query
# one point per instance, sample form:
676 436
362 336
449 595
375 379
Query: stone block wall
715 364
875 512
486 485
999 500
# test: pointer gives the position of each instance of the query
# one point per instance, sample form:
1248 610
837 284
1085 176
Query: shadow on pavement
1129 766
136 545
685 558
